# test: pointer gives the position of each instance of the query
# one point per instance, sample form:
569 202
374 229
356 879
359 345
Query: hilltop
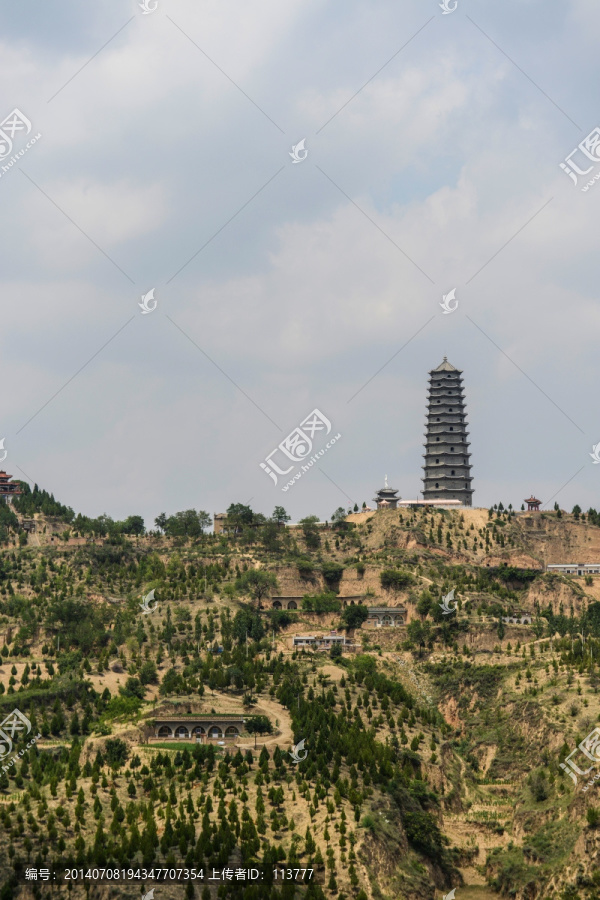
432 750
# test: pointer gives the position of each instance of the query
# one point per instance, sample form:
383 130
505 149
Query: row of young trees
128 832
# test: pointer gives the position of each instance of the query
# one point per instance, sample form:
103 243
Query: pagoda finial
386 484
445 359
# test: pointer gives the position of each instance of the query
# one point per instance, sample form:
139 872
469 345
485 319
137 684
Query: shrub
538 787
332 572
593 817
123 706
280 618
423 832
305 569
321 603
133 688
395 579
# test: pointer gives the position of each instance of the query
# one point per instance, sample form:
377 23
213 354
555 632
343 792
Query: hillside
432 748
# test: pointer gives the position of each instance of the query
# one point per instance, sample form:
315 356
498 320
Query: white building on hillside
575 568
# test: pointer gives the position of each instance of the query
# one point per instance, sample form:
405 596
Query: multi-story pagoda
447 469
8 488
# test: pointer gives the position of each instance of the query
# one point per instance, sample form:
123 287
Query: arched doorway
231 730
215 732
292 605
276 604
198 731
386 620
181 732
164 731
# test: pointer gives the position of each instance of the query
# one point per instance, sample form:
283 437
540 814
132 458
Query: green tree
147 673
269 536
239 516
321 603
354 616
280 516
172 683
161 521
133 688
257 583
424 604
187 523
339 516
418 632
247 622
116 751
258 725
133 525
312 538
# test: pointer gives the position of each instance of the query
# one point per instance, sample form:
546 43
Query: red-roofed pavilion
533 504
8 488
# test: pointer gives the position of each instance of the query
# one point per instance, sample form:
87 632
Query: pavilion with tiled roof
8 488
533 504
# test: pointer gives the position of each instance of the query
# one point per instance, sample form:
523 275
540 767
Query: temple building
533 504
318 641
380 616
8 488
386 497
447 469
574 568
200 727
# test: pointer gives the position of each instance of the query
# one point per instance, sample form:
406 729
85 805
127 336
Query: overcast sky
432 151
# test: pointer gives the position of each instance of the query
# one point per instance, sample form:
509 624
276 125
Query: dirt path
276 713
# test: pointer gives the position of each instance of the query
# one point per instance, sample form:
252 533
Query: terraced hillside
428 754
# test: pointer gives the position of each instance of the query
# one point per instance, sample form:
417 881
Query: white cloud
300 299
109 213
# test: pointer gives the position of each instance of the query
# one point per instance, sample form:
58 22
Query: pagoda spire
447 469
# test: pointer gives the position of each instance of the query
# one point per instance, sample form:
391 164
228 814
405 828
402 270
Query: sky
428 150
